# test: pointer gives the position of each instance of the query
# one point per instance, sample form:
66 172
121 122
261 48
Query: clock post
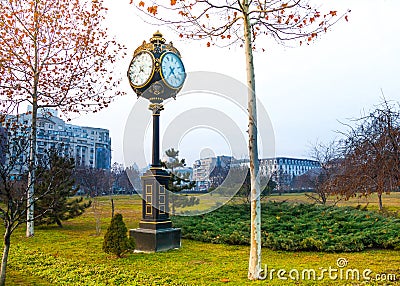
156 73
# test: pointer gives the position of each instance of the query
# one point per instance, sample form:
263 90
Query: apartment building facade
281 169
89 146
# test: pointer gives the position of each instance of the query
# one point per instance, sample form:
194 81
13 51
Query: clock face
141 69
172 70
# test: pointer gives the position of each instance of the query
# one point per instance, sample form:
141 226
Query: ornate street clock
156 73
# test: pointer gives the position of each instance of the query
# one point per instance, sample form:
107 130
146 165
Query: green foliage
70 256
116 239
54 187
57 270
295 227
178 181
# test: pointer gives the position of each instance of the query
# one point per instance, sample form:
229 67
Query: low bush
296 227
116 240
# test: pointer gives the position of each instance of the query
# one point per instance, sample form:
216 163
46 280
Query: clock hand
171 71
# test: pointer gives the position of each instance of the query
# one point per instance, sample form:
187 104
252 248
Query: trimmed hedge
296 227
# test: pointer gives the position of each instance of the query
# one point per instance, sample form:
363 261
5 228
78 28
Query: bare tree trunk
31 173
323 197
255 216
96 213
58 222
112 207
32 150
6 248
380 201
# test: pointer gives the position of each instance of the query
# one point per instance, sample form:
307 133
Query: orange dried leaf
346 18
208 44
141 4
152 10
333 13
173 2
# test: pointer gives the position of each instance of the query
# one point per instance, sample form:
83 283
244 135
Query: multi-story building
202 169
90 147
281 169
284 169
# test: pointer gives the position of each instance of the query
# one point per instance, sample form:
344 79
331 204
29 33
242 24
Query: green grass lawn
73 256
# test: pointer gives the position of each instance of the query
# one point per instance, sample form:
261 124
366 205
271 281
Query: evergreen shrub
116 240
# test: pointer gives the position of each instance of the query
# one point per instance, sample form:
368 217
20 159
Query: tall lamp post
156 73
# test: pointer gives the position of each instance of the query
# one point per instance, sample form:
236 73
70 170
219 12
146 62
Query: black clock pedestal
155 232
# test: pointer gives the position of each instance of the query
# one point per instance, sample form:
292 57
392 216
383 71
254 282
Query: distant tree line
239 178
100 182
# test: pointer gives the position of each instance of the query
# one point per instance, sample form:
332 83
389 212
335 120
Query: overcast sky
305 90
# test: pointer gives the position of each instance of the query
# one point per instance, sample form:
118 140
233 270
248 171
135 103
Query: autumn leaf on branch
222 21
152 10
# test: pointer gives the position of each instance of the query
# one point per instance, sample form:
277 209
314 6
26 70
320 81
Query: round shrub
116 239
